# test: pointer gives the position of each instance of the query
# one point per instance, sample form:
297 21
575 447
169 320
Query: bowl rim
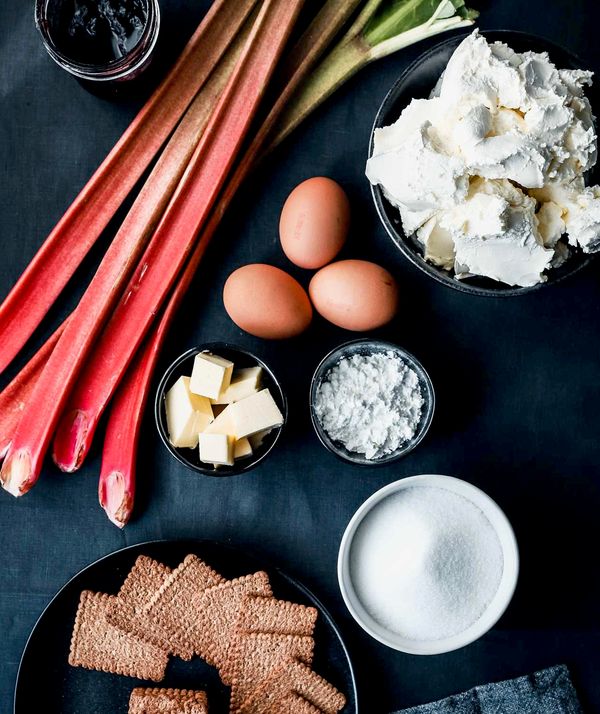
429 396
398 238
496 607
244 465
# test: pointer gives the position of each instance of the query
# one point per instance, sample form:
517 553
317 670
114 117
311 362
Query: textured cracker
257 655
127 609
293 703
279 617
96 644
218 609
167 701
294 677
172 608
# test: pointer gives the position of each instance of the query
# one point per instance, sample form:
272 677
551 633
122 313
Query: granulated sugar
425 563
370 403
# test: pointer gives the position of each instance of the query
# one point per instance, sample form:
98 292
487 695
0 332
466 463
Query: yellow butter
217 449
244 382
187 414
211 375
242 448
254 413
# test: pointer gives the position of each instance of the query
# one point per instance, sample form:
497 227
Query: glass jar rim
108 71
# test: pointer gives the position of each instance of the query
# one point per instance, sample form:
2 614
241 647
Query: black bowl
367 347
417 81
183 366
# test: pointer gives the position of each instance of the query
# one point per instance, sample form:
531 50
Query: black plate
417 81
46 683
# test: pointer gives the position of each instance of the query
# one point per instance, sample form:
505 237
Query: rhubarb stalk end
16 474
115 500
69 442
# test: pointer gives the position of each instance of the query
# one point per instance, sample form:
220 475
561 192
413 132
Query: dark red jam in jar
99 40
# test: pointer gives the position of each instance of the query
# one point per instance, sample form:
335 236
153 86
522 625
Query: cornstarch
370 403
426 563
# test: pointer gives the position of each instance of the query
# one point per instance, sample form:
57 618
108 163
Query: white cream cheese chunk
495 233
187 414
211 375
254 413
583 220
217 449
521 125
244 382
438 244
416 176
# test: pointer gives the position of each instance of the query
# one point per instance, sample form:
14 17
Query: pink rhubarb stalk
70 241
118 473
46 400
116 487
173 240
17 393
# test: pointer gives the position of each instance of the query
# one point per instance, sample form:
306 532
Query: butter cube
242 448
216 449
222 424
187 414
256 440
244 382
254 413
211 375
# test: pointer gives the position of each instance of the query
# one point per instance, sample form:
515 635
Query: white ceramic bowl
494 610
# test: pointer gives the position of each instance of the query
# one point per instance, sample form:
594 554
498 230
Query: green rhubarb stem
351 54
422 32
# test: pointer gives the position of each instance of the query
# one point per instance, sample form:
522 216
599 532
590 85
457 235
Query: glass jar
80 37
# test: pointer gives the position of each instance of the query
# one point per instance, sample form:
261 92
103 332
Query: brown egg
266 302
354 294
314 222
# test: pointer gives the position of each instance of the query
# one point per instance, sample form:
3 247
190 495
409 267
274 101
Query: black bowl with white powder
371 402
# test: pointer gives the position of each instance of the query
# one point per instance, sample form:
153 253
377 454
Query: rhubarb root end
116 501
16 475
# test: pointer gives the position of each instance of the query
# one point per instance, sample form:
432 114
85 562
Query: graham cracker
167 701
294 704
279 617
172 607
293 676
257 655
218 610
127 609
97 644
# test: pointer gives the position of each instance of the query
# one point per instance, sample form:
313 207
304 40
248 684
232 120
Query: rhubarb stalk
70 241
47 399
118 472
17 394
173 240
116 487
382 28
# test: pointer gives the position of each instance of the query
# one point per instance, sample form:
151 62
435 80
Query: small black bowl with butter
183 367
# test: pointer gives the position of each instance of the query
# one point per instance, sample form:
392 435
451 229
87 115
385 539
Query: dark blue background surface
517 382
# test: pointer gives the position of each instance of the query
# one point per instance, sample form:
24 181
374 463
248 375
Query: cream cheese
488 172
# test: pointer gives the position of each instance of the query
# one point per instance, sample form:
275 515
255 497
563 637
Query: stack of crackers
263 647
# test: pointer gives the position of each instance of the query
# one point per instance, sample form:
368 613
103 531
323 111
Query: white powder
426 563
370 403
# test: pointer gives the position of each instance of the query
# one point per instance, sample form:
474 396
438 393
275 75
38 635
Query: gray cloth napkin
547 692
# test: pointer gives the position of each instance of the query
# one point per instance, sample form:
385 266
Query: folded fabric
550 691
